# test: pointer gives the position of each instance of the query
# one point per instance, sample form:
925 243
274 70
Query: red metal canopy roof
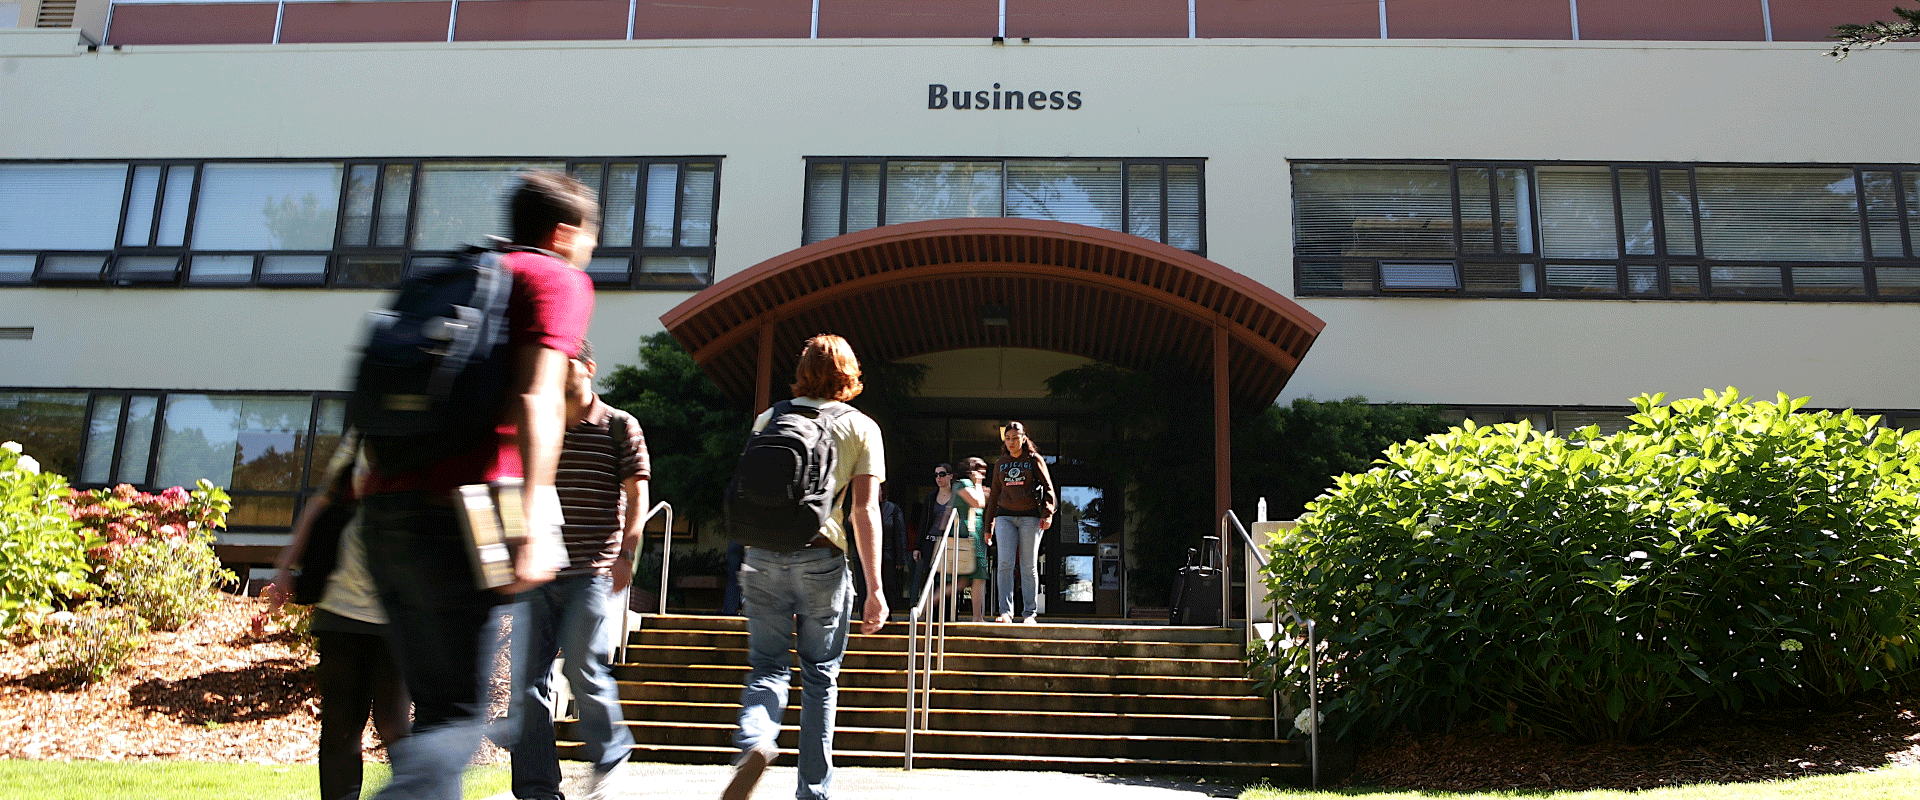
905 290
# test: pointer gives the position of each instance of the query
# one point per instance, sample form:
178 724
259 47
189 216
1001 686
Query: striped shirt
595 463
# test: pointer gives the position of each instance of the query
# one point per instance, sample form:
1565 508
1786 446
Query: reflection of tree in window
1086 193
1080 511
48 427
302 224
923 190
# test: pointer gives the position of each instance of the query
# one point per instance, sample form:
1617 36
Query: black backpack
434 373
782 490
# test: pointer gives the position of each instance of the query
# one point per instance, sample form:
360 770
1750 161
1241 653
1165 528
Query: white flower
29 465
11 447
1304 720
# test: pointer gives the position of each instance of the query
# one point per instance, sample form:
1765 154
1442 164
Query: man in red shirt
441 627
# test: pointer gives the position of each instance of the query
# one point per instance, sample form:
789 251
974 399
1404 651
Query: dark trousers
444 633
357 679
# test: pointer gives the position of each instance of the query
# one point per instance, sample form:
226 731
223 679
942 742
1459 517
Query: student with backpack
785 503
470 402
602 479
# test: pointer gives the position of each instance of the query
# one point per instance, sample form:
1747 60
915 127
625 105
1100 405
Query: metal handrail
933 595
666 558
1307 626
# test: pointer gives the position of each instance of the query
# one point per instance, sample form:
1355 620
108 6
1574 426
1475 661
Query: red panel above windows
193 23
1483 19
1286 19
396 21
1672 20
541 20
877 19
724 19
1064 19
1813 20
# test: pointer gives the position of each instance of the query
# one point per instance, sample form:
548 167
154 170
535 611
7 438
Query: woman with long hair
1020 499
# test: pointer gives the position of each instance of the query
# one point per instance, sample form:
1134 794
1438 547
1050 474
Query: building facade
1512 208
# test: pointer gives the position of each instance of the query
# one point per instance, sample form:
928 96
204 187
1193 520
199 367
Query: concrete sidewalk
701 782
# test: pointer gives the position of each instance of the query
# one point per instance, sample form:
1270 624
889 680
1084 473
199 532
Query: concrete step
669 656
1051 629
735 675
973 644
960 742
1162 722
1075 697
644 694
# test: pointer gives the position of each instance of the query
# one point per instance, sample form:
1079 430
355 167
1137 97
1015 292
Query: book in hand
494 518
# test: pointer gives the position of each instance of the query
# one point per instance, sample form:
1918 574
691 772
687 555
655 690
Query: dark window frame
311 479
339 270
1126 179
1663 261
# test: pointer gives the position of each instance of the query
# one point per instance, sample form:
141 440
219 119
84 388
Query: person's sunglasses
941 474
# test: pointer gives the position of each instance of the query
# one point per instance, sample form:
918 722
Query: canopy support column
1223 460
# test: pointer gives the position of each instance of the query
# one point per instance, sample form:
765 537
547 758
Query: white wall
1246 106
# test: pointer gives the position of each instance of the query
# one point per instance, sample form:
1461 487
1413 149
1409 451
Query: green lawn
1892 783
192 780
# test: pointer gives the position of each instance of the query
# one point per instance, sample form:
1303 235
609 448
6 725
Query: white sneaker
1030 620
1003 619
608 785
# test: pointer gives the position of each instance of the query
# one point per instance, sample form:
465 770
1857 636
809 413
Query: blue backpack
433 376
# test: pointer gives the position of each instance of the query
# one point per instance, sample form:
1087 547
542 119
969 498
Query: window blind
1779 213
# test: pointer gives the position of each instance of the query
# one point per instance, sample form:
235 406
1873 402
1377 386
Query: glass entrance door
1071 547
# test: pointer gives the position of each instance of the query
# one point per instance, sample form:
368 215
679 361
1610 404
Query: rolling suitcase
1196 590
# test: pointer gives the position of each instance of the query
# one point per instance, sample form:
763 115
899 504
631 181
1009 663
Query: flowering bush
123 516
42 553
153 552
1718 553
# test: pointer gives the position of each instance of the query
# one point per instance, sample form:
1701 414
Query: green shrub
94 646
169 582
42 555
1720 552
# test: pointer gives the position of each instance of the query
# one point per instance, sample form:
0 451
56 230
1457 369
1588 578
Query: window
355 223
1157 199
1613 231
266 449
659 218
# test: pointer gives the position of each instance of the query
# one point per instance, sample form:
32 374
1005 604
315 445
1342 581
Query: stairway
1061 697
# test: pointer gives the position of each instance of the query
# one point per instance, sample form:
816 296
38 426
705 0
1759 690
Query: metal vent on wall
16 333
55 14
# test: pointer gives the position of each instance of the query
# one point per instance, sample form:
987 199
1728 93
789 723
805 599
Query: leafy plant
694 432
1875 33
169 582
42 553
1720 552
94 645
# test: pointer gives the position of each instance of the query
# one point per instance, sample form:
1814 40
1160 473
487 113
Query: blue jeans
800 602
443 632
1016 540
569 615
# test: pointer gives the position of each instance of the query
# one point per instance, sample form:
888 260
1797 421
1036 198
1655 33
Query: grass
192 780
1891 783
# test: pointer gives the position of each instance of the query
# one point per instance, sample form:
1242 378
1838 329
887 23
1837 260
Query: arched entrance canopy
904 290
